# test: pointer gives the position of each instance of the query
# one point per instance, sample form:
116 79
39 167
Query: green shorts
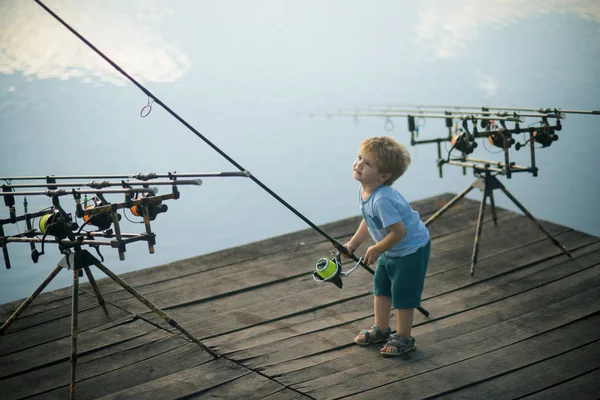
402 278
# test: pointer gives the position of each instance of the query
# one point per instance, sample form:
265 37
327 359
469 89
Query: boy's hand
351 247
371 255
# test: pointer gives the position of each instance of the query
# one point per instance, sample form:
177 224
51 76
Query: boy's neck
368 190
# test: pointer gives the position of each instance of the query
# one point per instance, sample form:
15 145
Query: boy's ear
385 176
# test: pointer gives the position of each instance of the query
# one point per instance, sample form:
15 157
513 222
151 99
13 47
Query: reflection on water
239 71
450 26
34 43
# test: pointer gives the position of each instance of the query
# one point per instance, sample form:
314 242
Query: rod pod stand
330 270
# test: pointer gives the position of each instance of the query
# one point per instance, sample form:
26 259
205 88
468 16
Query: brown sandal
399 344
372 336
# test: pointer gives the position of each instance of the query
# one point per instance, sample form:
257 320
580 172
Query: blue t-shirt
385 207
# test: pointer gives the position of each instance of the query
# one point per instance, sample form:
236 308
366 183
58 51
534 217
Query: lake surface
248 75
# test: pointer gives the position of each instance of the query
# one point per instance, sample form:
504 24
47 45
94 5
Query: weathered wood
526 324
242 275
185 382
539 375
148 370
448 340
284 243
55 329
94 363
28 320
446 350
584 387
46 301
251 386
540 250
60 349
262 312
442 380
453 302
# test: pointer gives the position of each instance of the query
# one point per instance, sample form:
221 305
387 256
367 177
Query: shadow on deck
526 325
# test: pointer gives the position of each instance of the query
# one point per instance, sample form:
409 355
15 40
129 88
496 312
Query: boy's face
366 170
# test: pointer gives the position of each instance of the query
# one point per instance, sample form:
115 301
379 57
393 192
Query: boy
401 247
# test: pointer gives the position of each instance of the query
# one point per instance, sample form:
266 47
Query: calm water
246 74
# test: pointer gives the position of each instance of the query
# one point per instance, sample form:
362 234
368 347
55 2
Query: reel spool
463 142
153 210
102 221
53 224
497 140
330 270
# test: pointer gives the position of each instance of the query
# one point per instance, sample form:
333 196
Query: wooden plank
30 320
57 329
251 386
183 383
450 351
48 300
220 379
94 363
286 394
489 266
45 301
509 283
164 274
538 375
318 298
283 243
245 276
446 341
456 250
239 276
584 387
283 324
454 302
486 366
150 369
58 350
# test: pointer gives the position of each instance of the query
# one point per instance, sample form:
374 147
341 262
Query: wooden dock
526 325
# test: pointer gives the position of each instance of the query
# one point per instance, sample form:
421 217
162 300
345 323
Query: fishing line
156 100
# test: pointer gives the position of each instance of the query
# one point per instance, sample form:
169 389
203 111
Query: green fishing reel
330 270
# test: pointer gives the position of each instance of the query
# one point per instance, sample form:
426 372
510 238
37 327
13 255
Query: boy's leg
404 321
401 342
383 305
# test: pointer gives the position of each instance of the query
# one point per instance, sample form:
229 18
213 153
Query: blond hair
390 155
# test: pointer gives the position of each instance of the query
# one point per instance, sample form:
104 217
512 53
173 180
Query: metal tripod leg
92 281
448 205
478 232
151 306
30 299
493 206
536 222
74 325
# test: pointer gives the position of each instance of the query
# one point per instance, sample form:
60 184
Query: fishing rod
103 184
409 114
64 192
339 247
139 176
416 112
542 110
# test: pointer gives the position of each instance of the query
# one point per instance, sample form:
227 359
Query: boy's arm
361 234
397 232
